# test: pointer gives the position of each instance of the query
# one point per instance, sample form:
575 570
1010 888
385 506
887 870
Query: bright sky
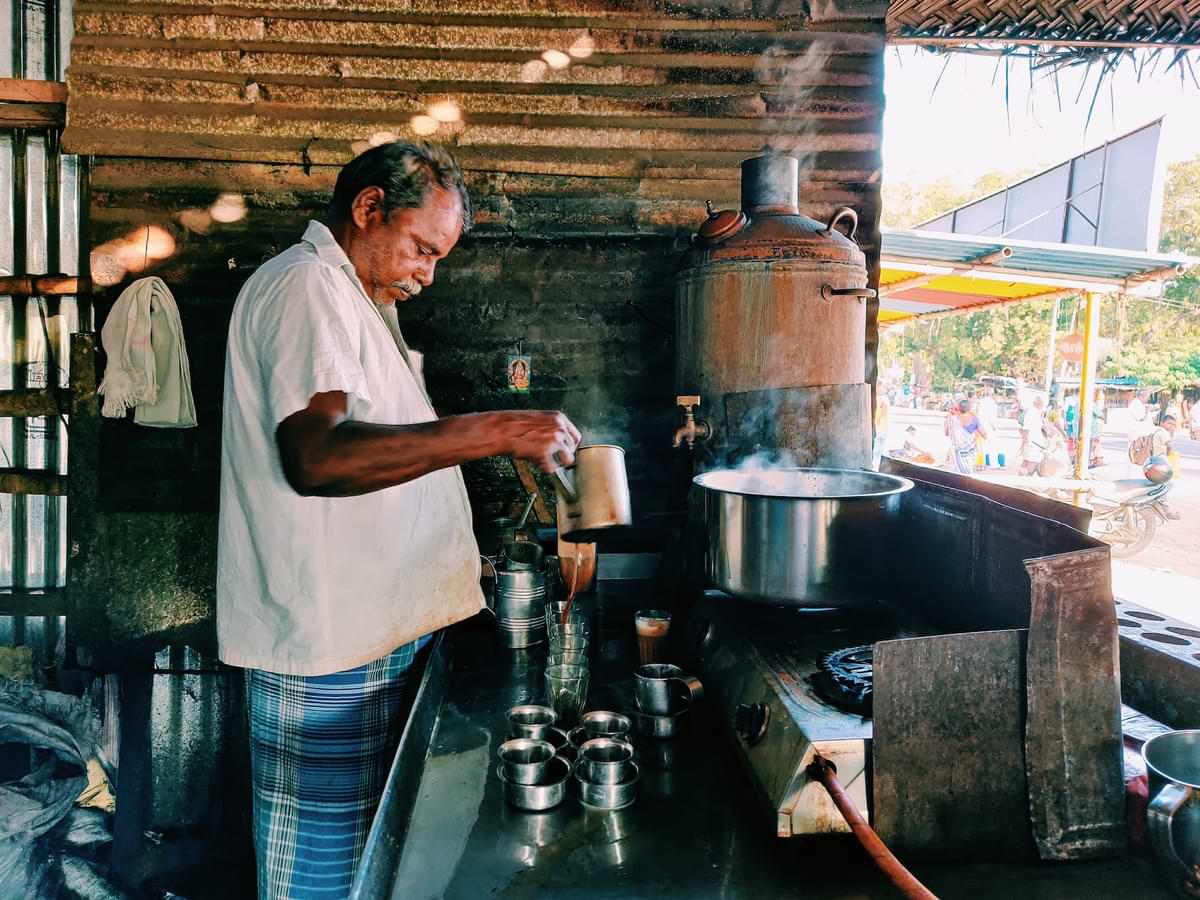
963 129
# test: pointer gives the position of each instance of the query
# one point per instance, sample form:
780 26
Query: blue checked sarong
320 749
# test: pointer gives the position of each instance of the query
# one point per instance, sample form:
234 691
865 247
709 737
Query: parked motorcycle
1126 511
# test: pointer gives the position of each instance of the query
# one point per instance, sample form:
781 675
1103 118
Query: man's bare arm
323 454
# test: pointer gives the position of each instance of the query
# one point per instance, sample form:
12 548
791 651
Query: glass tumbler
566 692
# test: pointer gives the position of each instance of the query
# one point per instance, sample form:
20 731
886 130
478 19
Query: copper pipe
824 771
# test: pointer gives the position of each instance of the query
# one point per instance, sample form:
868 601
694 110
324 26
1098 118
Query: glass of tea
652 626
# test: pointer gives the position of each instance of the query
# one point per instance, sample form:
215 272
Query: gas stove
786 684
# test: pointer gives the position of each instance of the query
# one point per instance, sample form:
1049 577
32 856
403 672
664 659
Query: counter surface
697 829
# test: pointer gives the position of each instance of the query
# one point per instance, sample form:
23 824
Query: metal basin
801 537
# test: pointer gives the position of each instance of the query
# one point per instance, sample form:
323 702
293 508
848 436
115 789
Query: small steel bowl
523 760
605 760
562 743
664 726
607 796
530 721
547 793
605 724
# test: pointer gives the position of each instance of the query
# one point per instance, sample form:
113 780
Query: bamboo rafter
1078 28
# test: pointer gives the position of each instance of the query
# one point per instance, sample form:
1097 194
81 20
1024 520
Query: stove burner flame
846 678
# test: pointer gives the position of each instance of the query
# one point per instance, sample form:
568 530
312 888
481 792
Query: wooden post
1087 387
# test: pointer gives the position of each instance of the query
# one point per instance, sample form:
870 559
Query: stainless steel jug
595 497
1173 767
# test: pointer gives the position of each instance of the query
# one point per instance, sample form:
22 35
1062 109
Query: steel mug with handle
1173 767
595 497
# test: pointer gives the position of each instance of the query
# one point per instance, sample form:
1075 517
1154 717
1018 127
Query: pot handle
829 293
489 603
564 485
1160 815
843 212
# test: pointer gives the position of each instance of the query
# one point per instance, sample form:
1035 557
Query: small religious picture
518 374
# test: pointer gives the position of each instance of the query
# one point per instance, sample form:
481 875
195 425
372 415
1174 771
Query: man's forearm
359 457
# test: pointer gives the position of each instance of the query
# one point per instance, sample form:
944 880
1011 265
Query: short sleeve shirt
314 585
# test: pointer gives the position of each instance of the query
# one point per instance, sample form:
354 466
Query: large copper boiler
770 323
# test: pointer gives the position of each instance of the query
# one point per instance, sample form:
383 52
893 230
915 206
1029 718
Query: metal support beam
1087 385
1050 348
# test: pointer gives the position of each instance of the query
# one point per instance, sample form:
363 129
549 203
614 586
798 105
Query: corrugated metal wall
40 222
652 109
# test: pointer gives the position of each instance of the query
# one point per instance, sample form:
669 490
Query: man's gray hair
407 173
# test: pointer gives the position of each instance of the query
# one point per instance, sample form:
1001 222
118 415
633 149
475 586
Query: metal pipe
1050 347
1087 387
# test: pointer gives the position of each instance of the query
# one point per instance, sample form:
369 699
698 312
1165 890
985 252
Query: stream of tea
574 585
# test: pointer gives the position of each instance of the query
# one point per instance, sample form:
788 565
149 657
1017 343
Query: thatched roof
1076 25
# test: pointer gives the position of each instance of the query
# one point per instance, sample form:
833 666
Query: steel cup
654 685
547 792
1173 767
605 760
523 760
604 724
530 721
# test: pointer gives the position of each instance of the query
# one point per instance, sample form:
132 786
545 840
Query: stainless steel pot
799 537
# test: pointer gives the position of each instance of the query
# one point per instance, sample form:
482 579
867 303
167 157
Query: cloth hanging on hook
147 359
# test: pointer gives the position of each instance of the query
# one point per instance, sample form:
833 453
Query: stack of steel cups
520 606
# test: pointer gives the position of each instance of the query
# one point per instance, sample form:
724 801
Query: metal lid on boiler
770 226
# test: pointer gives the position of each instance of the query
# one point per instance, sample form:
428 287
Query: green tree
1156 341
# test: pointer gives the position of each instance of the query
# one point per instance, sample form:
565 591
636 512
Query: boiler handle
828 292
843 212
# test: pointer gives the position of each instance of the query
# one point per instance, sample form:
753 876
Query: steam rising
789 78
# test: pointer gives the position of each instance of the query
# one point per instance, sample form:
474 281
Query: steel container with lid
771 321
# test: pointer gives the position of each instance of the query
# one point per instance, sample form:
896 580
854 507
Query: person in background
911 451
1137 410
1099 418
1157 442
961 427
1071 420
882 414
989 414
1033 437
1175 407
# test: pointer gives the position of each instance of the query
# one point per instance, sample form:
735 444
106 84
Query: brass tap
692 429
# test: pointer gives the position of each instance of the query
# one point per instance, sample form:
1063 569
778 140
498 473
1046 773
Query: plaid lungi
320 748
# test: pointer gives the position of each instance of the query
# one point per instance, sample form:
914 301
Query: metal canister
770 330
520 607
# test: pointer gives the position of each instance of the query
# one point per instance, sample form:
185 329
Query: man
989 414
1033 437
345 533
1157 442
1137 410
